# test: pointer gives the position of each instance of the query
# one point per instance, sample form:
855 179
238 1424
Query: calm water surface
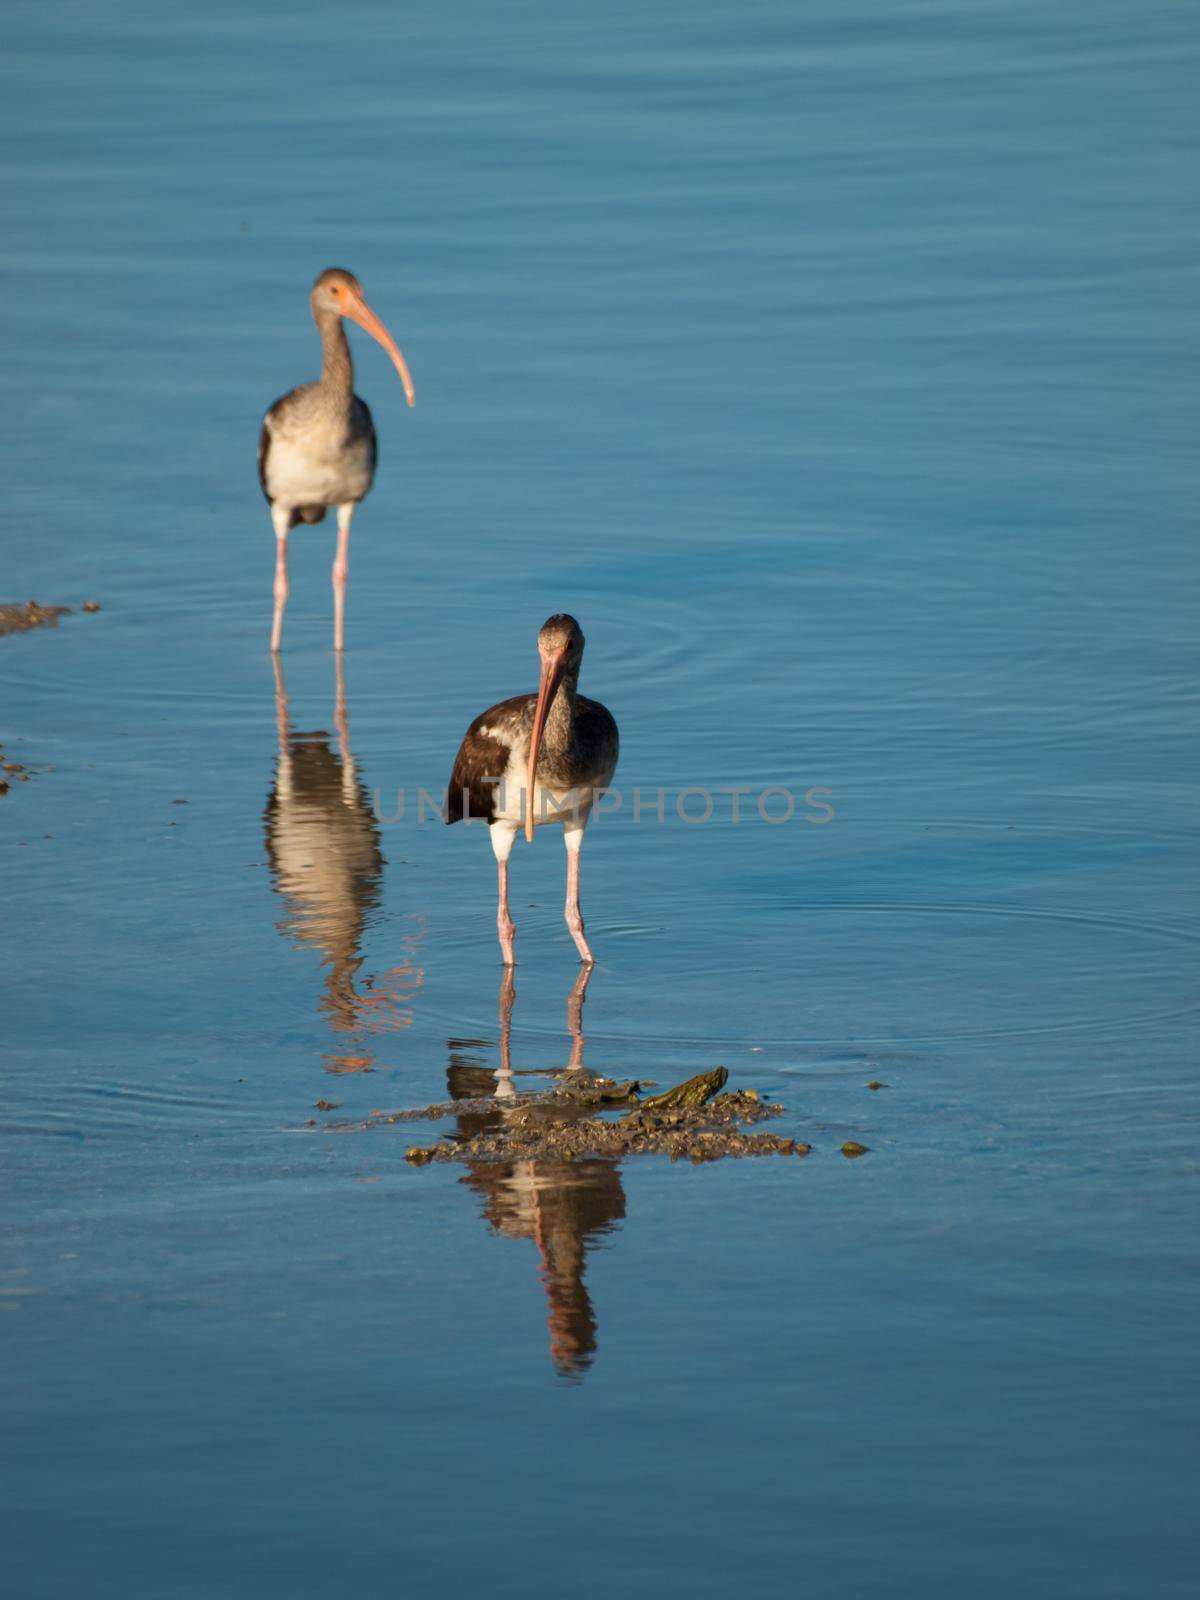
834 365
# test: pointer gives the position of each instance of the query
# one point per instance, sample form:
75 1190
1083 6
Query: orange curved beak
552 671
357 309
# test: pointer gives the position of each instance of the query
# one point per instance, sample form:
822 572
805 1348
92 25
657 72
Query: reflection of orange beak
357 309
552 671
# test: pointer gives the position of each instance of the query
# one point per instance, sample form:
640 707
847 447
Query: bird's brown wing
264 449
365 427
264 442
483 757
596 729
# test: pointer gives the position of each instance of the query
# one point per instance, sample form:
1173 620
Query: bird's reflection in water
563 1206
324 851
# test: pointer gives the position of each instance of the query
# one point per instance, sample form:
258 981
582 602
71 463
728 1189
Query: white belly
298 476
564 807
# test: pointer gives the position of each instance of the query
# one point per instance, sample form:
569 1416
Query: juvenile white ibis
557 749
317 447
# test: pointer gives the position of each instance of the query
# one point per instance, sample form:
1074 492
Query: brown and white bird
317 447
555 747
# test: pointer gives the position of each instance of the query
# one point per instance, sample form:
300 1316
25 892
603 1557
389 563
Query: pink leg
504 923
281 577
341 570
573 914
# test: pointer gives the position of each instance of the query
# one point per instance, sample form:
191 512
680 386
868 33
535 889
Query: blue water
834 364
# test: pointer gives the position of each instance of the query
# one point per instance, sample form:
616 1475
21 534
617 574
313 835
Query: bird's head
560 635
339 293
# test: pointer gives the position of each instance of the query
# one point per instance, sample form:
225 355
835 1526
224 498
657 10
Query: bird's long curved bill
552 671
359 311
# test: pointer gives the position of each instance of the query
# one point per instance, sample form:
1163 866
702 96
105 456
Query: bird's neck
337 368
559 733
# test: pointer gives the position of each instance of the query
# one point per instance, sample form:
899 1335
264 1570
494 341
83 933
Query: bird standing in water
318 447
556 749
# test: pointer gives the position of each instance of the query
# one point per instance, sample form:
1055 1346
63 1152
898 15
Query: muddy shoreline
589 1117
22 616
